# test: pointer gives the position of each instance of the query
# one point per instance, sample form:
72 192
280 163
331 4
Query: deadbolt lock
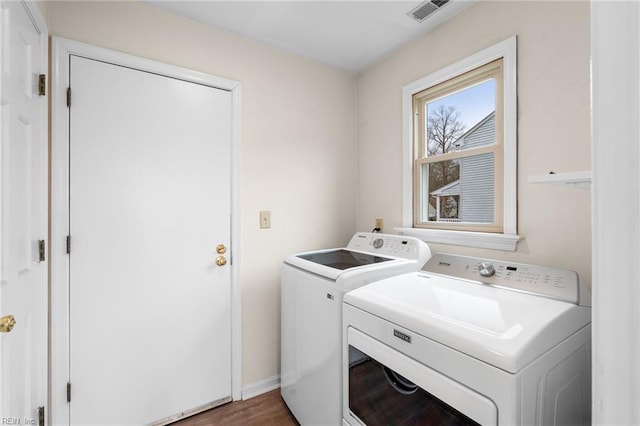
6 323
221 249
221 261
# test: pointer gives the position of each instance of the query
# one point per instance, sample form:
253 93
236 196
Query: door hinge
42 85
68 244
41 249
40 416
68 392
69 97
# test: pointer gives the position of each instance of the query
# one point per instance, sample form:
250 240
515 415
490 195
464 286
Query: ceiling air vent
425 9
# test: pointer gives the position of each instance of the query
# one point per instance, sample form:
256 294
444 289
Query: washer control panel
390 245
554 283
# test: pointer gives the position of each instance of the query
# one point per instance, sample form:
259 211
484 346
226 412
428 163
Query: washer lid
328 263
366 253
504 328
342 259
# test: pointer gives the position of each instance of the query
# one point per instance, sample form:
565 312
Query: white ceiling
352 35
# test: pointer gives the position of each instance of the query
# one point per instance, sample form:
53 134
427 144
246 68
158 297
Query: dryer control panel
554 283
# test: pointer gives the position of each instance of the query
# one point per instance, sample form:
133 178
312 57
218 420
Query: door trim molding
61 50
615 248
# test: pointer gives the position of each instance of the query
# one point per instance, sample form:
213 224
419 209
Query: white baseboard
263 386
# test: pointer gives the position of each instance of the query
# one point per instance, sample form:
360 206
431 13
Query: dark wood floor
266 410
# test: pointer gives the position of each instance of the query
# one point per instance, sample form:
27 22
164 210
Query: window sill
504 242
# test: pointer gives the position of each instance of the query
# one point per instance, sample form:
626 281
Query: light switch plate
265 219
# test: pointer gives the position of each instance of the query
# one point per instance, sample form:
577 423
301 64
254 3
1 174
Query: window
457 143
459 183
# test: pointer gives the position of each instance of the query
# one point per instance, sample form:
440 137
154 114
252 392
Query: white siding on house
477 188
477 174
482 134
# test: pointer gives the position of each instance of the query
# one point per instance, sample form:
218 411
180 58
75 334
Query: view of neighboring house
471 197
447 200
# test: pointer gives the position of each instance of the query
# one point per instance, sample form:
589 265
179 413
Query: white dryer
468 342
313 286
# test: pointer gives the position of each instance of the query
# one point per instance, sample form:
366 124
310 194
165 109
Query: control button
486 269
378 243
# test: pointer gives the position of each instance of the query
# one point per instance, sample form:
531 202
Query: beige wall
298 151
553 123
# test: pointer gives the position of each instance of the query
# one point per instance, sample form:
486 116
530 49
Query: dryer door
386 387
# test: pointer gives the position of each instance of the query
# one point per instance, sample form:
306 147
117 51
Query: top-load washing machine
468 342
313 286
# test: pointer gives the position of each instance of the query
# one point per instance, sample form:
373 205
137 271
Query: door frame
615 247
61 50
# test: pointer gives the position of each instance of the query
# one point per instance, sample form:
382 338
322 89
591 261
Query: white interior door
150 320
23 213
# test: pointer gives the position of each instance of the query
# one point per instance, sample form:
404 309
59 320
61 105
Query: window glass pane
460 190
441 181
461 120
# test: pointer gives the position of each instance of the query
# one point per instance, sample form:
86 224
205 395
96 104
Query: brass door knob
221 261
6 323
221 249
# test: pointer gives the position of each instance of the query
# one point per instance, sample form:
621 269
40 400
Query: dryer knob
486 269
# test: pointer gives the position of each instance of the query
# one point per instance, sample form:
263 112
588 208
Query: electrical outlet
265 219
380 224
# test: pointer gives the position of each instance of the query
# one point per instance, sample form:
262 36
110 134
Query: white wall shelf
580 180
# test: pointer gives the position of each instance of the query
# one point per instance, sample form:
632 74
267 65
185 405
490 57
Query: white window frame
508 239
